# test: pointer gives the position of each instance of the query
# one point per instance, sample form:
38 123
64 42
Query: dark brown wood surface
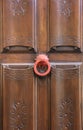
65 23
42 25
65 97
29 28
43 107
18 23
1 100
18 97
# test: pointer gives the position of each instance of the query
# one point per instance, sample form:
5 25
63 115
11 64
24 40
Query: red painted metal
42 61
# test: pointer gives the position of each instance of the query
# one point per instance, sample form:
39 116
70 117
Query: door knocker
42 66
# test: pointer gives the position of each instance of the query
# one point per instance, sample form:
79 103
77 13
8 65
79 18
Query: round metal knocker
42 66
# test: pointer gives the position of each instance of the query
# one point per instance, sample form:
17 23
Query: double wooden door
29 28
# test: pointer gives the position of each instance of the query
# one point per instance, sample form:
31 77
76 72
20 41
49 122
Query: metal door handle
42 66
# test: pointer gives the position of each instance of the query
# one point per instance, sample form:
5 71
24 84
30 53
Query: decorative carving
18 116
66 73
65 40
18 41
65 114
18 74
65 7
18 7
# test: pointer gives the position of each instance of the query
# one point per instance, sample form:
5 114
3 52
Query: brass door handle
42 65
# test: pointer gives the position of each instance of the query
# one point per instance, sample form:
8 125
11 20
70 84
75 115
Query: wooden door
29 28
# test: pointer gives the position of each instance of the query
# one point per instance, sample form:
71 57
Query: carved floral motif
65 7
65 114
18 116
18 7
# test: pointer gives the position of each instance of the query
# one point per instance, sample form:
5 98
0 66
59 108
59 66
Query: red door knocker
42 66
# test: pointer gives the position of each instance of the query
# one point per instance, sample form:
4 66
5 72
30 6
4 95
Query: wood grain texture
18 95
65 98
29 28
81 7
42 25
65 23
43 101
18 23
1 113
1 102
30 58
66 57
82 94
17 58
1 25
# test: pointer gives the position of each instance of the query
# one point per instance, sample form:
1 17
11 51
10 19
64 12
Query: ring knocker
42 66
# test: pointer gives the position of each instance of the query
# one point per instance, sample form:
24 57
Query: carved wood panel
82 97
0 25
1 112
18 23
42 24
27 101
43 103
65 97
18 97
65 23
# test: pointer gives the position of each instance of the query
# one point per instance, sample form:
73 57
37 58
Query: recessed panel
18 97
65 24
66 98
18 23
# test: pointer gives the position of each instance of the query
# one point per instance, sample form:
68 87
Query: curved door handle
42 66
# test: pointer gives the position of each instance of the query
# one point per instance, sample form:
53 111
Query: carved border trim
65 40
18 74
70 73
18 41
